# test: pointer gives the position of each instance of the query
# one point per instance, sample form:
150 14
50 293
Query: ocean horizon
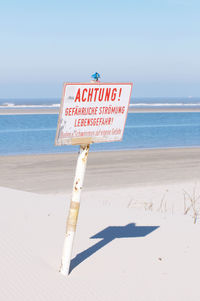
143 102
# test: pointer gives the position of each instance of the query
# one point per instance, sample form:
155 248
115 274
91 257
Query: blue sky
154 44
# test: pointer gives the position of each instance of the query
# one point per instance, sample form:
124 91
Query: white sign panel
93 112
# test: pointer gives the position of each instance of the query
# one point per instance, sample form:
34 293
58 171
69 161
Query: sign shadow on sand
108 235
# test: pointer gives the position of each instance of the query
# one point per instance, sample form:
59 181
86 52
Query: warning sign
93 112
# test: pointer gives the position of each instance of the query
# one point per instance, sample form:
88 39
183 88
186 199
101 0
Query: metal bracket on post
74 208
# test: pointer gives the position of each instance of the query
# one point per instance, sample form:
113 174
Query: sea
35 133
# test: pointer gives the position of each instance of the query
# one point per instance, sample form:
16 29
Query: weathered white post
74 208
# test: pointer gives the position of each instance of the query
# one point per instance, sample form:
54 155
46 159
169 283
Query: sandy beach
53 173
124 78
133 241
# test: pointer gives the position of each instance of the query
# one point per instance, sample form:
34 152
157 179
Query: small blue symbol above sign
95 76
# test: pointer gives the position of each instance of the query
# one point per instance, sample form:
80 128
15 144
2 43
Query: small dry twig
192 202
163 203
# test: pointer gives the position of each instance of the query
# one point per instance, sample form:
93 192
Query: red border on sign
92 83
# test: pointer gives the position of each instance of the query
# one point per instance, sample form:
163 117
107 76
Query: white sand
130 263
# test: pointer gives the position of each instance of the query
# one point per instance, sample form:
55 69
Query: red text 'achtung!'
98 94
